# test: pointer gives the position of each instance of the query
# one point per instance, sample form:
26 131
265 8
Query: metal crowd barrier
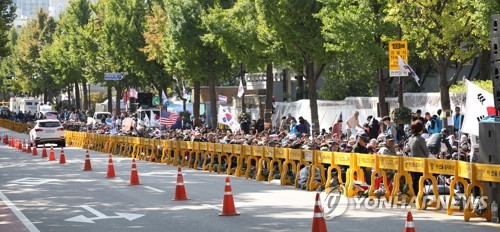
267 163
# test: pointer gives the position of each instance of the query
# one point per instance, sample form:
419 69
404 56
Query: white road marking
154 189
31 181
100 216
29 225
212 207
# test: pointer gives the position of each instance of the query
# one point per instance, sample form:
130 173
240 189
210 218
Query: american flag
170 120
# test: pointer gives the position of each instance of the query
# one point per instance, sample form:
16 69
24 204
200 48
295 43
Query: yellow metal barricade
183 157
196 155
164 151
306 159
406 165
228 166
221 158
257 154
318 161
290 166
326 158
245 160
478 173
235 160
280 155
211 157
204 155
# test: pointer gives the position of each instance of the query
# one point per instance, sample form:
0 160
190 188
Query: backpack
399 134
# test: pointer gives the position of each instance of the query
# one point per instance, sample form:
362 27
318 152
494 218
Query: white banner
478 105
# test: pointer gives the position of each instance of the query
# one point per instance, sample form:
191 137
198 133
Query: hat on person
389 137
364 137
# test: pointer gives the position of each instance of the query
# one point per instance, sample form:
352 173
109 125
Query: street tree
299 31
243 36
7 16
449 33
187 55
29 72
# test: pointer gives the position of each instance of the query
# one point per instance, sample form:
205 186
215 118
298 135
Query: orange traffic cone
134 178
62 158
35 152
52 156
29 148
228 208
111 168
409 227
319 223
44 152
88 166
180 191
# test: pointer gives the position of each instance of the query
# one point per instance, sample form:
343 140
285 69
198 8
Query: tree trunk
300 87
45 97
110 99
444 90
211 86
69 96
77 96
85 95
117 100
382 105
196 103
269 93
313 96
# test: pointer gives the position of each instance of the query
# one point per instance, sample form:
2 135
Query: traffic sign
113 76
397 48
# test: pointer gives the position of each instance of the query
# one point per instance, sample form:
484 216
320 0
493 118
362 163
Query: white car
47 131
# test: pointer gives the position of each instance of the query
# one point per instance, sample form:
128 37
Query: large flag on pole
403 66
164 98
185 94
241 90
478 105
225 117
170 120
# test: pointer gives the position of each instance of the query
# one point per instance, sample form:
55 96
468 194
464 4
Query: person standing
352 122
391 128
374 126
337 127
418 148
458 120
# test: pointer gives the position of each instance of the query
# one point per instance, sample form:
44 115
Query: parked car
47 131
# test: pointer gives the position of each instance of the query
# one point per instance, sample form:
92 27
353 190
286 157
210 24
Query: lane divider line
29 225
154 189
212 207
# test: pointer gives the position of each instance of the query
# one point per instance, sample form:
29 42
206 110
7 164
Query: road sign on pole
113 76
397 48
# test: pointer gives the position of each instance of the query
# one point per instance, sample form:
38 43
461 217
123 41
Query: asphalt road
41 195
